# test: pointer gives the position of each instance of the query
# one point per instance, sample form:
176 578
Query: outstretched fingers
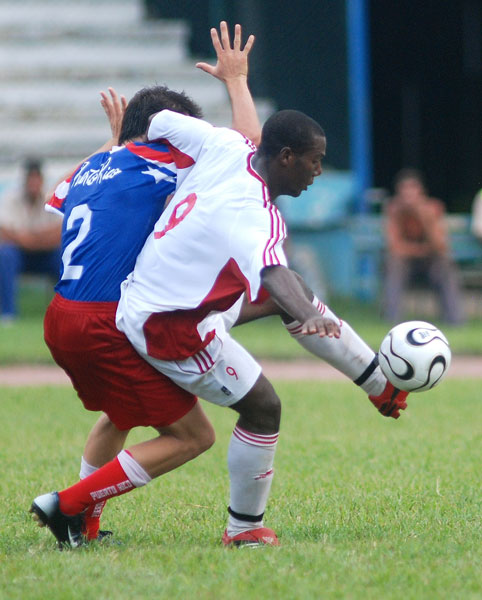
232 60
249 44
114 107
226 42
237 37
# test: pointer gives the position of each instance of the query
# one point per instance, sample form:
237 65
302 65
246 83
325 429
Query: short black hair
409 173
289 128
32 164
149 101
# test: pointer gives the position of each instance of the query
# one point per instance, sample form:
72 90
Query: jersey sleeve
257 242
56 204
186 134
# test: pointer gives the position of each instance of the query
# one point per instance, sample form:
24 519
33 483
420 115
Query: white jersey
208 247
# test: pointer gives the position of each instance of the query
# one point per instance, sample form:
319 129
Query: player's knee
260 409
201 441
105 424
206 439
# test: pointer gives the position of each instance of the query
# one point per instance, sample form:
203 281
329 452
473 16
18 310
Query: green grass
366 507
23 341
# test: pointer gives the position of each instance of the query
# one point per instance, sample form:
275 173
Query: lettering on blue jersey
91 176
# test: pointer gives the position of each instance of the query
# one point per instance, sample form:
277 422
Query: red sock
110 480
92 516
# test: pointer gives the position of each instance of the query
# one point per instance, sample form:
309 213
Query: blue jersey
110 205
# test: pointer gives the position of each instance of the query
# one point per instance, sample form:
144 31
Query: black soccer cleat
67 529
104 534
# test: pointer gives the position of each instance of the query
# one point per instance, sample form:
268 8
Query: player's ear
286 156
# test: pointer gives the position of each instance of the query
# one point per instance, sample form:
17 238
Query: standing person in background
29 237
418 248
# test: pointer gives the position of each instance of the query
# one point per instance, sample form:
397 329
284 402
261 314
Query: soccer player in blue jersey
110 204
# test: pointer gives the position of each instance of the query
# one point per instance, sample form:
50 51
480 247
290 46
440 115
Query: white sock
349 354
136 474
86 469
250 464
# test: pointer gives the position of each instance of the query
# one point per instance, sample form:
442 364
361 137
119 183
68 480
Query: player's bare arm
286 290
114 107
232 69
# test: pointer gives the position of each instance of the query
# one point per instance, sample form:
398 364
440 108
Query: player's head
149 101
33 178
409 185
293 146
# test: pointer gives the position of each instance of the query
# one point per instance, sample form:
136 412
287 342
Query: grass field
365 507
23 341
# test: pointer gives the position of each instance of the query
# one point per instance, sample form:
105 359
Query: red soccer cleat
391 401
253 538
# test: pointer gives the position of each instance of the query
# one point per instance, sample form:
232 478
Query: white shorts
223 381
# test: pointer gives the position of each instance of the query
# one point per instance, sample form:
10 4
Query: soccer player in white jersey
220 238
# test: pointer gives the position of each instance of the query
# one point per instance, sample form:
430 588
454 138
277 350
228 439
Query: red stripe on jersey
277 235
252 172
61 190
150 153
250 143
173 335
56 202
182 160
277 221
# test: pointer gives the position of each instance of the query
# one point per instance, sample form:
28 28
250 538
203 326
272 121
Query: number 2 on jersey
81 212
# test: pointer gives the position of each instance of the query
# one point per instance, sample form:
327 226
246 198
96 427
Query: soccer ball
414 356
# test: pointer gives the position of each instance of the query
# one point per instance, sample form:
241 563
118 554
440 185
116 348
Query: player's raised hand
232 60
321 326
114 107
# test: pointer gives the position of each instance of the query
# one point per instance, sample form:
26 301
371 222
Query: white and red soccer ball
414 356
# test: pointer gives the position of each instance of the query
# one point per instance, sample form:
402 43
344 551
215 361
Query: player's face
305 167
410 190
34 185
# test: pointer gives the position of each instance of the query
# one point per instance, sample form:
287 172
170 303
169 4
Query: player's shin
349 354
250 464
117 477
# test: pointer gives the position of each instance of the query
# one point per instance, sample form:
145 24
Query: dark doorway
427 94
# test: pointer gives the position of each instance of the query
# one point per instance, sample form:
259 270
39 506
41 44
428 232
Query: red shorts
106 371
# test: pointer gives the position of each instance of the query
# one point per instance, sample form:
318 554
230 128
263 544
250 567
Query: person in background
29 237
418 248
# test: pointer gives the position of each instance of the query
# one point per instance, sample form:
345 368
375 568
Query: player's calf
250 462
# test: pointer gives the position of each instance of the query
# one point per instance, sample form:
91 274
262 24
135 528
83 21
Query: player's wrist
237 81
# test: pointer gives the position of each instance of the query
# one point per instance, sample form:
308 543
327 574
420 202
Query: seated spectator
418 248
476 224
29 237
